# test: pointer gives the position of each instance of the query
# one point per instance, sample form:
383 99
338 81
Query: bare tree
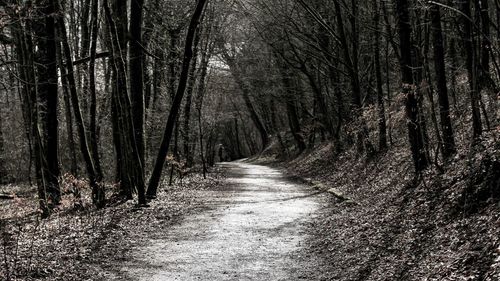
174 110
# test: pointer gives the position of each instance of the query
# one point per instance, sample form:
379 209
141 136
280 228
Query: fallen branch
7 196
335 192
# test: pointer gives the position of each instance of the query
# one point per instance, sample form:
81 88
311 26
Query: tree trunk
136 70
3 172
471 65
46 68
187 106
382 128
83 80
453 70
245 90
26 70
351 60
69 116
131 175
98 196
200 94
442 90
409 89
291 108
94 147
181 88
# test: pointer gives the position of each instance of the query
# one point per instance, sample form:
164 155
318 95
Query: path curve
254 231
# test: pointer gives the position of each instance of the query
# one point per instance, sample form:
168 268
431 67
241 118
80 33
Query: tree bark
382 127
98 196
92 90
181 88
187 106
409 89
351 60
136 70
69 116
291 108
200 94
46 68
131 175
82 78
26 69
3 171
442 90
471 65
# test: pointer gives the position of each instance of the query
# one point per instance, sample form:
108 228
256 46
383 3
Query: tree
130 167
136 70
3 172
291 108
98 196
174 110
187 105
408 87
471 66
245 90
46 79
382 128
92 88
448 145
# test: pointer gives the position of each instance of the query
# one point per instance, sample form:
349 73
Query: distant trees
341 55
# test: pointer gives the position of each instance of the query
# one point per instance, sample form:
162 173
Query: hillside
441 226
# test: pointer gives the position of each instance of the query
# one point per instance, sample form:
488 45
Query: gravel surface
255 229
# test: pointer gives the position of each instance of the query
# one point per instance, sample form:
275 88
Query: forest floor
444 226
246 222
84 243
253 222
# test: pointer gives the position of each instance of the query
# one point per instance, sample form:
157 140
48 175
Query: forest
376 123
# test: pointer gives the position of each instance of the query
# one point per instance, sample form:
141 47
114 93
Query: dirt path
255 231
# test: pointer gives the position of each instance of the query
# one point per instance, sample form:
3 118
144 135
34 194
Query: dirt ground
254 229
445 226
254 222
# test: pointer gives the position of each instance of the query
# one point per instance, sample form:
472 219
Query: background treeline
111 90
367 75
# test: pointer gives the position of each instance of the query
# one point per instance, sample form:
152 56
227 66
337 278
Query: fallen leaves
77 245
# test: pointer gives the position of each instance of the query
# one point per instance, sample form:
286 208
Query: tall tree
471 65
246 90
46 79
98 196
290 101
382 127
94 24
448 146
409 88
136 73
3 171
187 105
176 104
130 169
350 53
